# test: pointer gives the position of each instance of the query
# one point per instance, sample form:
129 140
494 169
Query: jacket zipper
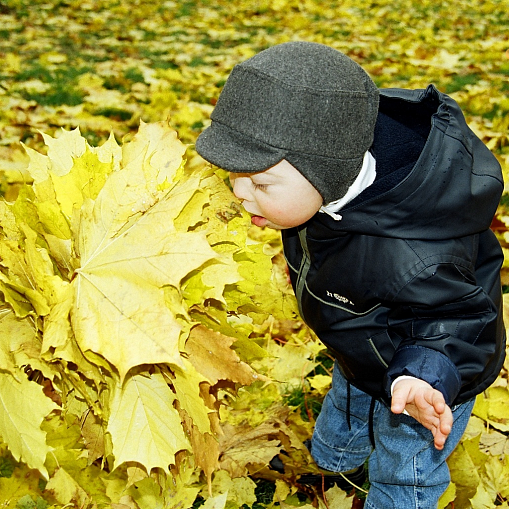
303 269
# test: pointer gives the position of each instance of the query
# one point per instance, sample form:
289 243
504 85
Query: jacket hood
435 178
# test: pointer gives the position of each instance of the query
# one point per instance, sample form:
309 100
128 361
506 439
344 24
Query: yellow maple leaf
216 502
187 388
13 334
242 446
126 260
337 498
483 499
157 147
22 410
144 425
65 489
240 490
61 152
85 180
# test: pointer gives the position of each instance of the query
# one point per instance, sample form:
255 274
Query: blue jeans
405 469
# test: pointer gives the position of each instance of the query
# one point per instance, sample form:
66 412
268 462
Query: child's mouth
258 220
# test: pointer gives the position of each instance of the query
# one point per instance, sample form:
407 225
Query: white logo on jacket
340 298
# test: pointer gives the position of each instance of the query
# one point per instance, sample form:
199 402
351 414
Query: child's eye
262 187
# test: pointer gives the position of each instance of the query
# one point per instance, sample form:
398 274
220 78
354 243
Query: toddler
384 199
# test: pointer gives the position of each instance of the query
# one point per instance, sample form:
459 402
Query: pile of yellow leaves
130 289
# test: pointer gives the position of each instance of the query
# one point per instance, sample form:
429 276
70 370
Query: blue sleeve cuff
429 365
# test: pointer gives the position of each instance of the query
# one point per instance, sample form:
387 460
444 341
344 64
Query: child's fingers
444 427
437 400
439 441
399 398
398 405
446 420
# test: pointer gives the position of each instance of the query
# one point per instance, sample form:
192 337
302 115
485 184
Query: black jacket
407 283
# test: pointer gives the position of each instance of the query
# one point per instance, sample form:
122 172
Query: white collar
365 178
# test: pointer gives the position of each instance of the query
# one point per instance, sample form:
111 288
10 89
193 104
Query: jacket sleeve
446 328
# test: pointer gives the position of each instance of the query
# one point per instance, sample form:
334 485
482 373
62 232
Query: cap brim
232 151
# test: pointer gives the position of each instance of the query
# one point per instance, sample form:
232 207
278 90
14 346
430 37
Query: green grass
114 113
134 75
63 81
308 405
461 81
56 96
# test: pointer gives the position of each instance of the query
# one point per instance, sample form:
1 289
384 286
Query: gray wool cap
300 101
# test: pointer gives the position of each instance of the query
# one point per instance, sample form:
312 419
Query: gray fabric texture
304 102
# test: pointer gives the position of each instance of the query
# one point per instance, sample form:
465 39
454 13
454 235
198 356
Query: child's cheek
273 210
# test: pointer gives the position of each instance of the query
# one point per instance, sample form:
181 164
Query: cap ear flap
330 177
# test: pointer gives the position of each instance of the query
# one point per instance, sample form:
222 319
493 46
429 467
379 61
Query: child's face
280 197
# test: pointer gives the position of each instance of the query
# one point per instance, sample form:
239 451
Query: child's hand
424 404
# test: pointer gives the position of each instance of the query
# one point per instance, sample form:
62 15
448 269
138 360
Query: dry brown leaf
211 355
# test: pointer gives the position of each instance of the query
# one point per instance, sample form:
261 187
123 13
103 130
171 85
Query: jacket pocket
382 348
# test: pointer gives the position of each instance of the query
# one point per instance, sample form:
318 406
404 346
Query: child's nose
240 187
